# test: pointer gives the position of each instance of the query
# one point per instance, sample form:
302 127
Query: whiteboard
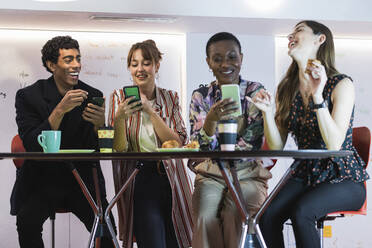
104 67
104 64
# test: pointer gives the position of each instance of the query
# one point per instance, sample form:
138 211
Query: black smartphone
132 91
97 100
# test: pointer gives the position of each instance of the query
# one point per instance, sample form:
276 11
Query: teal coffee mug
50 140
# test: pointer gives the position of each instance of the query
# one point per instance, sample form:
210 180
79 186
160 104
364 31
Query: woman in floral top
217 223
315 103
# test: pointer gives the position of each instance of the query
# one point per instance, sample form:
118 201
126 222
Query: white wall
259 64
353 10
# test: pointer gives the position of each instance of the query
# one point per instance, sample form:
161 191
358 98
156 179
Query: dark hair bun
149 51
150 42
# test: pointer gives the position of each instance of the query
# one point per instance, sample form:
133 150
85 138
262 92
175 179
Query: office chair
362 143
17 146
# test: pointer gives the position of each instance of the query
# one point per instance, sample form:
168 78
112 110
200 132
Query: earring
210 70
157 76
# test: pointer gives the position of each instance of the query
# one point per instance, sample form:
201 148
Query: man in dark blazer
61 102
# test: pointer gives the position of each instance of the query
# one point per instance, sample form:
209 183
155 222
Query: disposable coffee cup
227 130
50 140
105 139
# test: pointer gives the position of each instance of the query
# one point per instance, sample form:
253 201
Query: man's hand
95 115
72 99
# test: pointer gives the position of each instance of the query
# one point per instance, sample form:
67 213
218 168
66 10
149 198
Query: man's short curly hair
50 51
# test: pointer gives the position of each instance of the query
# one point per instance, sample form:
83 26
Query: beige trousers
217 223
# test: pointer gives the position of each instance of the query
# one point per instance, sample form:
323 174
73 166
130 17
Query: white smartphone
232 91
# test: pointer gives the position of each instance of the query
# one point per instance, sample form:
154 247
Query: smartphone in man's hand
97 100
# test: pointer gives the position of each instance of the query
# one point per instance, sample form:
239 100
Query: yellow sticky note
327 231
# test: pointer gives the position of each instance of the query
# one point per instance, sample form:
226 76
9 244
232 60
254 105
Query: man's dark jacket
33 105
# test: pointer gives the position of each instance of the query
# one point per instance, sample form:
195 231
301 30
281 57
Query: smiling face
143 71
66 70
303 43
225 61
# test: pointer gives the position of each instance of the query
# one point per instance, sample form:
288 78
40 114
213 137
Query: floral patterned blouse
304 128
249 137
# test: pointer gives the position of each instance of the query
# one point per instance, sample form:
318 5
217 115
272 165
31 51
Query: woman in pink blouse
156 208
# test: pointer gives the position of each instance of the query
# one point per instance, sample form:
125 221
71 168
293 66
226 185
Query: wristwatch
320 105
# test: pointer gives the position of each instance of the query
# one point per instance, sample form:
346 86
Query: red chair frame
362 143
17 146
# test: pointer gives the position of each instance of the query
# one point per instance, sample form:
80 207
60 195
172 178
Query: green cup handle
40 139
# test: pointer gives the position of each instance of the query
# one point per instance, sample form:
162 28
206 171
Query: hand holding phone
132 91
95 112
97 100
232 91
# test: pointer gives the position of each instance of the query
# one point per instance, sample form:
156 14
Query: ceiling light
264 5
54 0
133 19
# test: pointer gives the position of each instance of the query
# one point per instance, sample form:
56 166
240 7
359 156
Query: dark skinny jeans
304 205
152 223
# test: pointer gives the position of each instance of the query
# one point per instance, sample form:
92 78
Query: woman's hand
263 100
222 109
317 78
126 109
146 105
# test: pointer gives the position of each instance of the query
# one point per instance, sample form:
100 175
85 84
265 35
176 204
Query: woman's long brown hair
288 86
